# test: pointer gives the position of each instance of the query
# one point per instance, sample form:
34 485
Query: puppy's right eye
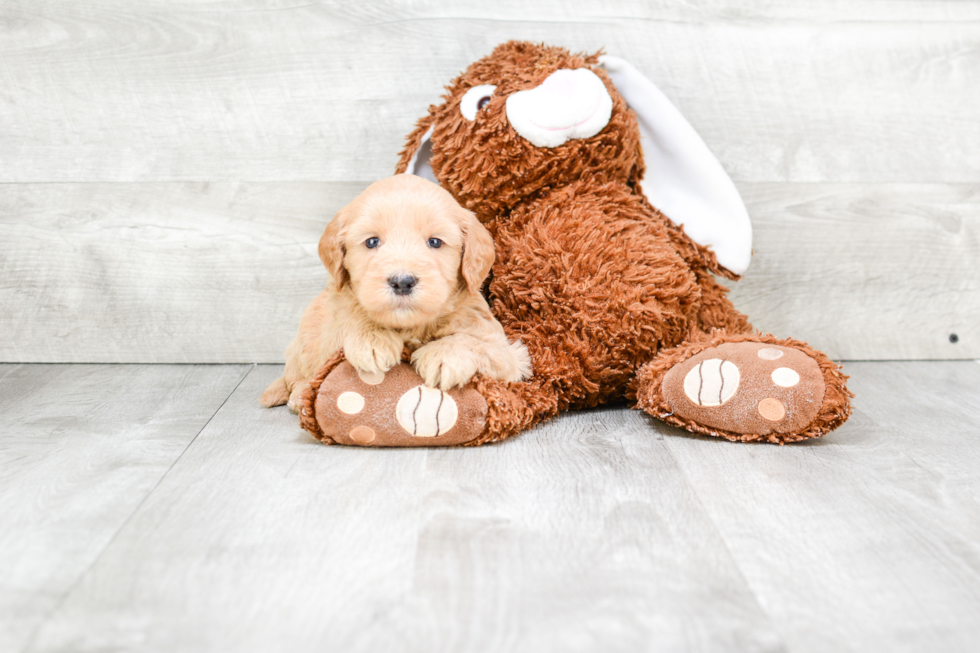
371 243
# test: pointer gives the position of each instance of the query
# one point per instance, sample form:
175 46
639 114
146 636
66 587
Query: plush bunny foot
746 388
389 409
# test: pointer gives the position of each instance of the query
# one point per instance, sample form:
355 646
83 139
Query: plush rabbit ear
683 178
418 164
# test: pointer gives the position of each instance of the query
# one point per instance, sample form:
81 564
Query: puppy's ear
477 251
332 247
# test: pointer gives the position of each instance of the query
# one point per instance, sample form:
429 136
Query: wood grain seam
95 560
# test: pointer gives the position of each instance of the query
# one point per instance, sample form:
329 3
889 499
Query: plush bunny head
532 117
524 118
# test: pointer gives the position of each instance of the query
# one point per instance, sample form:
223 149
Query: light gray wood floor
158 508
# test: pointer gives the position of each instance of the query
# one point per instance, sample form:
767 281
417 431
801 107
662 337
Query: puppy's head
406 249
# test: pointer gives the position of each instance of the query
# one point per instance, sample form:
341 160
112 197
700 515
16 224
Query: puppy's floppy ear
331 247
477 251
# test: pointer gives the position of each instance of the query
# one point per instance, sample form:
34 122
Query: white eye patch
475 99
568 104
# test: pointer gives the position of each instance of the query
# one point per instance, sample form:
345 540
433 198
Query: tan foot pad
396 409
747 387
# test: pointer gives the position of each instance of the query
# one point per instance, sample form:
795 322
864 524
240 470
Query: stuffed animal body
611 220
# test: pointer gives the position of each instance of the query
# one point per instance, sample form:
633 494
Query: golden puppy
407 264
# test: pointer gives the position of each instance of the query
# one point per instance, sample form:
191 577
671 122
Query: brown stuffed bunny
609 283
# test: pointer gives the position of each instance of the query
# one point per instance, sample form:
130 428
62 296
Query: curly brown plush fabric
606 292
307 413
469 160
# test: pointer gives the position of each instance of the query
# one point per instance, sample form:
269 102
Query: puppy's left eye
435 243
371 243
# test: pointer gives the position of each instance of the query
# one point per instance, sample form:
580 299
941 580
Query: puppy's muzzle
402 284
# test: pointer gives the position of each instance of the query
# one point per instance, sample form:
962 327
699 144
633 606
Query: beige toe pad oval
426 412
371 378
769 353
772 409
711 382
362 434
350 402
785 377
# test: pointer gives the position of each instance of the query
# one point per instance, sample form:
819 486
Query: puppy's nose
402 284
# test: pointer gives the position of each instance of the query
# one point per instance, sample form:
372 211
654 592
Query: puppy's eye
475 99
435 243
371 243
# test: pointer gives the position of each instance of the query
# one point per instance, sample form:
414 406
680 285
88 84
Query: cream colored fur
445 320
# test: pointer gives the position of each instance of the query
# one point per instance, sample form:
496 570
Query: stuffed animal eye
475 99
371 243
435 243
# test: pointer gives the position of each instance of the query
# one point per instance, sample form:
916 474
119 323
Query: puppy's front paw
296 395
374 351
445 364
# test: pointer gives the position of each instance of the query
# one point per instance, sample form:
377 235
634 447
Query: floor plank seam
78 581
728 550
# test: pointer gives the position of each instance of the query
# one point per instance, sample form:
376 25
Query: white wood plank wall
167 167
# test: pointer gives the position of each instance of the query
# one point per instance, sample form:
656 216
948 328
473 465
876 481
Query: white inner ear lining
418 164
683 179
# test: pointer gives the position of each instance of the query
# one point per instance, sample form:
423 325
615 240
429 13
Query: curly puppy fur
402 228
593 279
